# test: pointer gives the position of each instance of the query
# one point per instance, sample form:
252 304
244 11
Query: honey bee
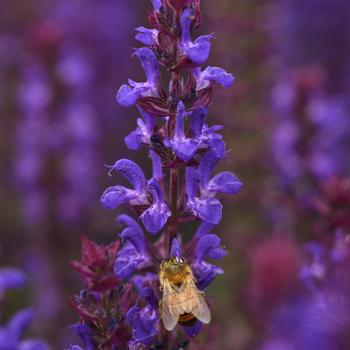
182 302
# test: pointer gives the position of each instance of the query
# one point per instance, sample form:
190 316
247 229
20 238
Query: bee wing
194 301
202 311
169 306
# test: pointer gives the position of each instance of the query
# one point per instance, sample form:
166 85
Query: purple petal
192 182
146 36
149 120
85 333
214 75
134 140
143 320
132 172
148 295
185 22
115 196
203 229
209 134
184 147
175 248
209 210
140 281
128 260
149 64
205 273
127 96
197 121
197 51
210 160
192 331
225 182
209 246
136 238
143 132
157 171
11 278
130 222
156 216
157 4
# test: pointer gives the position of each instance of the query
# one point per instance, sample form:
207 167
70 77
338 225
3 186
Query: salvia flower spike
183 187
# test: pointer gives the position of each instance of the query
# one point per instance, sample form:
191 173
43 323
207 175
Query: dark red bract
96 265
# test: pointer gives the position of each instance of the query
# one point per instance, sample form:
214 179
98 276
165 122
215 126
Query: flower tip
126 96
228 80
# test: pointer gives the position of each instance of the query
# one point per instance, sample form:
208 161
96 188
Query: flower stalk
170 276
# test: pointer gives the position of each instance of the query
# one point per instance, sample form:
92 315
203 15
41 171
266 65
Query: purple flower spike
141 136
115 196
147 36
128 95
197 51
211 76
11 278
143 320
156 216
133 255
185 148
193 330
175 248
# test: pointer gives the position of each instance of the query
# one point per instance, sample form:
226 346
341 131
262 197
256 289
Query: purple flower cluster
50 124
316 316
11 333
184 151
103 303
310 140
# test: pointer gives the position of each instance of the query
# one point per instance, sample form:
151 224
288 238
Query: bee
182 302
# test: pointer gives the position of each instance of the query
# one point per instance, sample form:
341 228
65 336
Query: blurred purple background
287 123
